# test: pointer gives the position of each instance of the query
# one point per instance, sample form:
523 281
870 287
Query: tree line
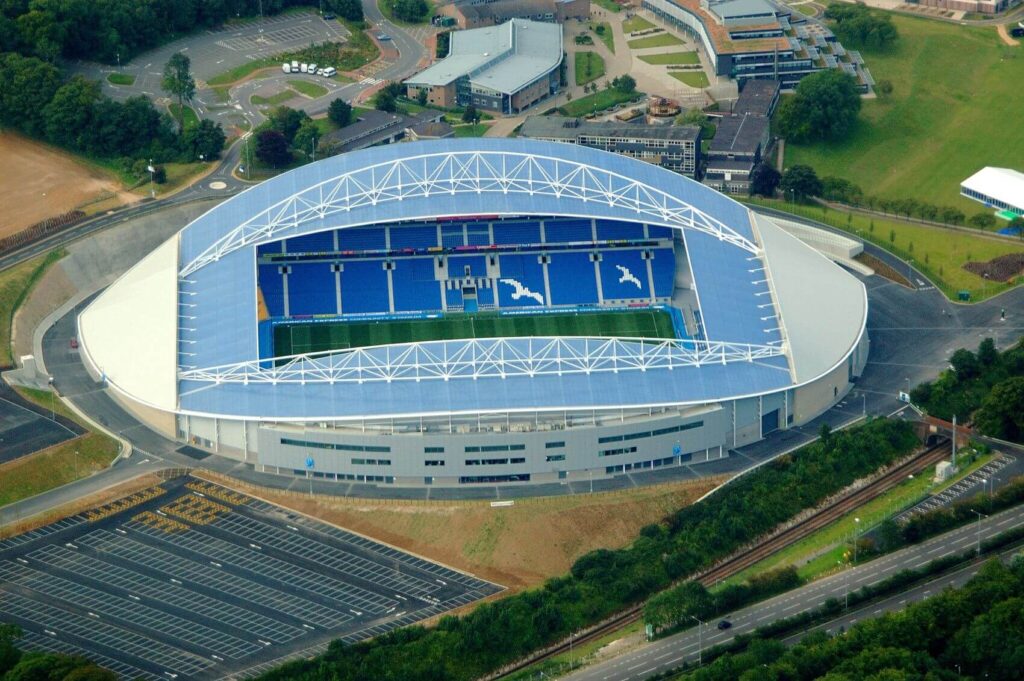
605 581
16 665
985 387
857 25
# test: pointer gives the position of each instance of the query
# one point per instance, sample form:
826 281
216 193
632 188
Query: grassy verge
120 79
273 100
659 40
15 284
805 8
476 130
307 88
589 66
598 101
609 5
692 78
179 174
671 58
939 253
190 118
605 34
636 23
244 70
951 84
564 662
57 465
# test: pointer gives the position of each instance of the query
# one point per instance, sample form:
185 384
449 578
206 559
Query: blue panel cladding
311 289
517 233
659 232
364 287
452 236
457 265
521 282
627 283
272 286
563 231
616 229
572 279
478 234
663 267
320 242
416 289
453 296
265 331
361 239
417 236
485 296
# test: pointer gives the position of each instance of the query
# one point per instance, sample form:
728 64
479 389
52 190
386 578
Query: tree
306 138
421 96
287 120
205 140
859 26
982 220
69 114
801 182
27 85
1017 224
470 115
1002 411
884 88
339 112
348 9
824 107
9 654
413 11
385 101
272 148
178 82
625 84
764 179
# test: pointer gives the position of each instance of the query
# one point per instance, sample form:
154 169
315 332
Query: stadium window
616 452
472 462
555 457
433 450
472 449
610 438
518 459
554 445
433 462
514 477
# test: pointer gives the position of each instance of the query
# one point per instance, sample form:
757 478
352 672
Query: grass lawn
475 130
671 58
190 118
606 35
691 78
177 175
609 5
57 465
659 40
273 100
121 79
598 101
243 70
387 9
955 87
636 23
560 664
300 338
805 8
15 284
358 51
589 66
939 253
307 88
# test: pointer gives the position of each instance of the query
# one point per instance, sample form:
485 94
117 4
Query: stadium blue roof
221 294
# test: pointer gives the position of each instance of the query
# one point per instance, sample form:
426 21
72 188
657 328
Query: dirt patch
49 293
882 269
43 181
1003 268
1004 35
518 546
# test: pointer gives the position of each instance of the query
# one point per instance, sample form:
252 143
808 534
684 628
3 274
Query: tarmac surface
26 428
191 580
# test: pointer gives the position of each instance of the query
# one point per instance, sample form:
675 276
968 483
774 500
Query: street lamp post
978 532
856 526
700 640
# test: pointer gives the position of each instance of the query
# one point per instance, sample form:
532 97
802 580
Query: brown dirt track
41 181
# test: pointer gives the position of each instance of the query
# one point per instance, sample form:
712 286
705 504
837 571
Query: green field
471 130
671 58
691 78
190 118
955 90
598 101
636 23
589 66
609 5
274 100
307 88
121 79
296 339
659 40
606 36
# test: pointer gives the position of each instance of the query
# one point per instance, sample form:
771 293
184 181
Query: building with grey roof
506 68
737 147
374 128
477 13
758 97
675 147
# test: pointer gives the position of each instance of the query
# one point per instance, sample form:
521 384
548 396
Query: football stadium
477 312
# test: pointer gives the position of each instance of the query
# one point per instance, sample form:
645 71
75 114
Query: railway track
742 561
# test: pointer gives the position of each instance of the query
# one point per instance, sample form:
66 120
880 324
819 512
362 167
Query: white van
304 68
295 67
311 68
286 67
330 72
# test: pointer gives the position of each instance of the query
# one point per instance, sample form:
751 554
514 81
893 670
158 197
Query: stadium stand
608 230
414 236
517 232
624 275
478 234
453 236
311 243
566 231
272 286
312 289
369 281
361 239
415 286
663 266
572 279
458 264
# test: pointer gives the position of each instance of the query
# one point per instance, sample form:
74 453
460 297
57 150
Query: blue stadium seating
526 271
485 296
452 236
415 287
361 239
453 296
517 232
272 285
478 234
564 231
364 287
614 229
311 289
416 236
457 266
656 232
572 279
636 271
320 242
663 267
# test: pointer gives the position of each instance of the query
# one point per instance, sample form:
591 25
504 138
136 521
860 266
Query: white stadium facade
212 339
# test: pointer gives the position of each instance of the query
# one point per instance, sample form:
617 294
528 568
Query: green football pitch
295 339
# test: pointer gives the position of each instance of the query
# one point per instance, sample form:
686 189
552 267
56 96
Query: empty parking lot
24 429
191 580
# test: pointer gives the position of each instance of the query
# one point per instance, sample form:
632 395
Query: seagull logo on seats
627 276
522 292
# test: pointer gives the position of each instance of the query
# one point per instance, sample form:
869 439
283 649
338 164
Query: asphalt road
684 647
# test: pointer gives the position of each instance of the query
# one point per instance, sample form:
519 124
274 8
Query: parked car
1017 32
383 36
724 624
329 16
286 67
319 72
311 68
330 72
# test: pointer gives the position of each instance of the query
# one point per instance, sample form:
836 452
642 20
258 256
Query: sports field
294 339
